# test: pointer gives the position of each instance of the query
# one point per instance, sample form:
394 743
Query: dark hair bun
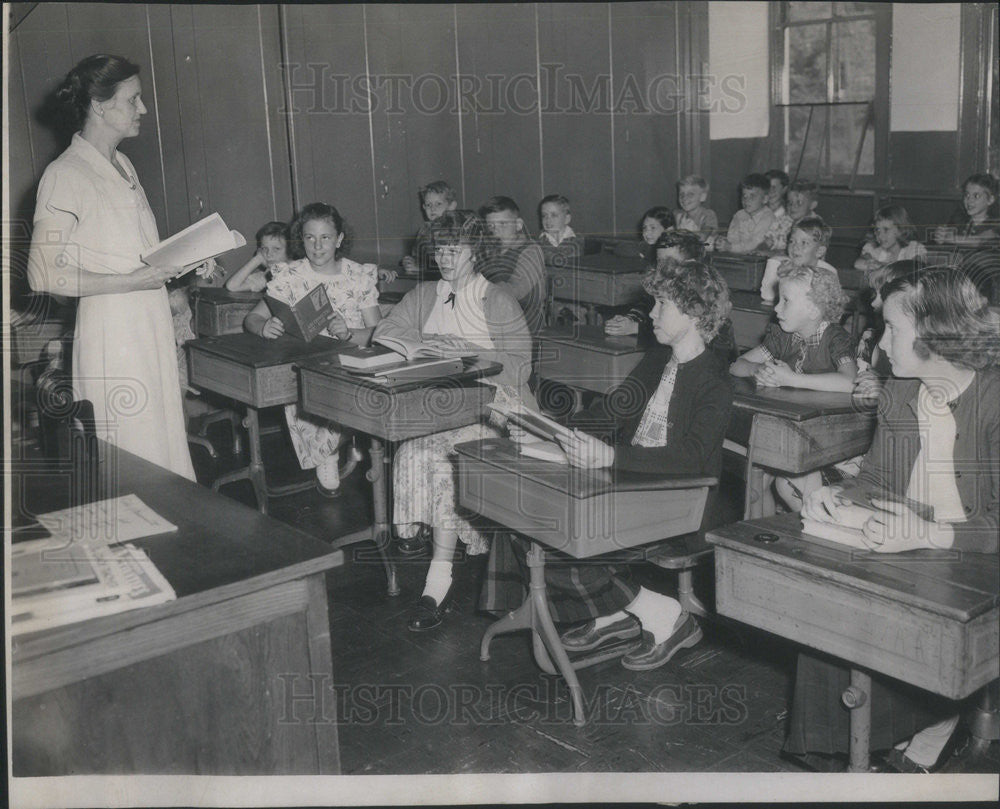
97 77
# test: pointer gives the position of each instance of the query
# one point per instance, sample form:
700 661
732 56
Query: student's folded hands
774 374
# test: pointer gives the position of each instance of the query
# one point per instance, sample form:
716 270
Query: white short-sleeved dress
124 358
351 291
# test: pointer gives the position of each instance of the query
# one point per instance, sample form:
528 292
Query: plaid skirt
820 723
576 590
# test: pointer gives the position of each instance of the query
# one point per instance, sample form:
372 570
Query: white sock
438 580
603 620
656 612
925 747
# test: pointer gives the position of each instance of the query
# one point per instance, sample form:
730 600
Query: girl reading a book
318 230
933 477
461 313
669 416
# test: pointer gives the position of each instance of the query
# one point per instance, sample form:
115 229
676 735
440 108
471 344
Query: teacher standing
92 223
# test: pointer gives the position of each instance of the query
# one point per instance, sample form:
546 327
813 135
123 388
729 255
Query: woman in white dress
92 223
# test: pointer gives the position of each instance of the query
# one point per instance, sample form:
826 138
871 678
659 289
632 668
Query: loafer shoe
587 636
651 655
426 614
411 546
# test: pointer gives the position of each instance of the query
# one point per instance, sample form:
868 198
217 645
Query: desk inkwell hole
489 445
765 538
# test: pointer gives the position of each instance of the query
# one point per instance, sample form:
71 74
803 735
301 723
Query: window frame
778 24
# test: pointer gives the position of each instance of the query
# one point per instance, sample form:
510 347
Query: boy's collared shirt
747 232
700 220
566 233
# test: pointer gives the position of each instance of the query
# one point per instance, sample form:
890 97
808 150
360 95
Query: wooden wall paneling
692 60
332 157
647 139
224 115
926 160
411 53
500 136
574 44
271 55
731 160
123 29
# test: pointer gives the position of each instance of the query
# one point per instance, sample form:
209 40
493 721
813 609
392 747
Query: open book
416 350
205 239
532 421
847 531
307 317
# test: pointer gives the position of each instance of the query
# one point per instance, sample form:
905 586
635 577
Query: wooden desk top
575 482
221 548
220 295
330 368
956 586
796 404
253 351
611 264
592 338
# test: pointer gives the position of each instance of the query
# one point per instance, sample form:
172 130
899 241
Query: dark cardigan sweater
699 415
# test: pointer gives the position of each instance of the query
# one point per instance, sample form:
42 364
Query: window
830 79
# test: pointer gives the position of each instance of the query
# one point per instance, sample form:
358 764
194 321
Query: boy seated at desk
435 199
679 402
936 451
560 245
807 242
801 202
751 223
806 349
693 214
977 220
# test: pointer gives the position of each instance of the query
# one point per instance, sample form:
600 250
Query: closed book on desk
367 357
307 317
412 371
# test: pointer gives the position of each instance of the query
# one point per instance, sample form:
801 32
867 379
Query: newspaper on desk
84 570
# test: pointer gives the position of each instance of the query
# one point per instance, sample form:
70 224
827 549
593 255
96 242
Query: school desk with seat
218 310
583 513
794 431
927 617
199 685
389 412
258 373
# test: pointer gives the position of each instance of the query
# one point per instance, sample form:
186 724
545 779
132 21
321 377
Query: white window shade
738 67
926 46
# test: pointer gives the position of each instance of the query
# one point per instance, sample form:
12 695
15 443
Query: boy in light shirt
692 193
807 245
560 245
800 202
751 223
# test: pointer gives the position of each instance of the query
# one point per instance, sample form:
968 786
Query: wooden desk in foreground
584 513
258 373
390 413
928 618
795 431
200 685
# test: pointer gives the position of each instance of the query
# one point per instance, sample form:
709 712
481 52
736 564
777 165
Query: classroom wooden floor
425 703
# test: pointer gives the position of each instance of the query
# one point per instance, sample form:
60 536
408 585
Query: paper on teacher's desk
129 580
205 239
105 522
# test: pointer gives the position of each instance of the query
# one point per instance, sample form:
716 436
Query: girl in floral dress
462 312
351 288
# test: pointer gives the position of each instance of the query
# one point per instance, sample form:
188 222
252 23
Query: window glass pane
808 11
854 60
804 141
853 9
846 131
807 49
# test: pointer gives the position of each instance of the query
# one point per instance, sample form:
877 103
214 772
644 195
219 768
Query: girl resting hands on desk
937 444
669 416
318 230
461 313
